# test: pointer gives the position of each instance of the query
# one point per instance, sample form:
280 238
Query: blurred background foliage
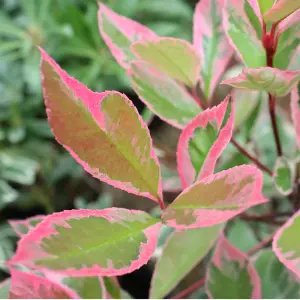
37 176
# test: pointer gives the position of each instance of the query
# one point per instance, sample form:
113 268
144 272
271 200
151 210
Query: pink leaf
102 131
22 227
212 117
108 242
231 267
286 244
289 21
281 10
216 198
295 109
271 80
30 286
211 43
119 33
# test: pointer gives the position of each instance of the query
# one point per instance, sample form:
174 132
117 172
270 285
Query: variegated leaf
119 33
164 96
202 142
281 10
286 244
30 286
174 57
80 243
295 109
231 274
271 80
102 131
216 198
211 43
243 28
283 177
22 227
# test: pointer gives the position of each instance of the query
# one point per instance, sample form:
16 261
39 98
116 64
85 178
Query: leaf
281 10
271 80
289 39
283 177
83 242
30 286
164 54
295 109
111 287
202 142
162 95
276 280
87 287
242 34
294 64
4 289
119 33
102 131
211 43
242 229
180 254
7 194
22 227
286 244
216 198
265 5
231 275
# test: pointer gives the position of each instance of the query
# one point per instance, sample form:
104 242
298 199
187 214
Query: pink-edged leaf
175 57
265 5
286 244
281 10
30 286
119 33
243 29
163 95
102 131
79 243
231 274
288 43
211 43
271 80
202 142
295 109
294 64
4 289
22 227
179 256
216 198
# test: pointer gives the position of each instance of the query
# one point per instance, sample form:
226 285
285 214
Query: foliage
105 134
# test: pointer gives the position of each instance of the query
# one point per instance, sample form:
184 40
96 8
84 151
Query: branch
190 289
261 245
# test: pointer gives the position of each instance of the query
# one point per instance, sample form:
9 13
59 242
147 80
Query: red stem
272 105
261 245
252 158
190 289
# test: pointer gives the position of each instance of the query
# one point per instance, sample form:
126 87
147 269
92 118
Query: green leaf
4 289
240 229
163 95
112 289
86 287
183 250
163 53
283 176
242 28
281 10
276 280
265 5
7 194
80 243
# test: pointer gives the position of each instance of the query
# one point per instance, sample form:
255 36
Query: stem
261 245
252 158
198 100
272 101
190 289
